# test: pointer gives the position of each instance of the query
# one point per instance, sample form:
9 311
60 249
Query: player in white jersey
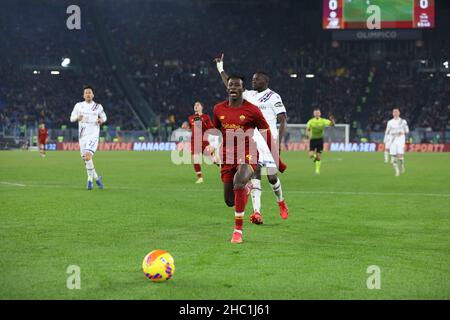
272 107
387 145
90 116
397 129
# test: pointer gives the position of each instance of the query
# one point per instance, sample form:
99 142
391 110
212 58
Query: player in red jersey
199 123
42 139
236 118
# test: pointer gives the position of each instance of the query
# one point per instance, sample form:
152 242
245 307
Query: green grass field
391 10
355 214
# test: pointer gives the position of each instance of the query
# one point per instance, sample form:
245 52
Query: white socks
277 190
396 167
399 165
91 173
386 156
256 195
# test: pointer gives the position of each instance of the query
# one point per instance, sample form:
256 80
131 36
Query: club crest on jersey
222 117
242 117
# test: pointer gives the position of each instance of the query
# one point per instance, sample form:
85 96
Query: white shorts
397 147
387 145
88 144
265 156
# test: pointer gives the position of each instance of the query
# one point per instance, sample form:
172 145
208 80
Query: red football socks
198 170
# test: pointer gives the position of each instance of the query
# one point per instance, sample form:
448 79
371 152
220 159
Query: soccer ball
158 266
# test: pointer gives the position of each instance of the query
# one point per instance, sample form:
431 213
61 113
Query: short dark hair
88 87
236 76
316 109
263 73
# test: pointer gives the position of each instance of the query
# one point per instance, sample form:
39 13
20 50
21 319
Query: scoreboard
394 14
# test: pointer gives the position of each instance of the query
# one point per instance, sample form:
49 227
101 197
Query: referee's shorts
316 145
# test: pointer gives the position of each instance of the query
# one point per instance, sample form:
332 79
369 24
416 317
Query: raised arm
219 65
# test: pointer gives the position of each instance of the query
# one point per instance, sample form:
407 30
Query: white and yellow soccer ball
158 266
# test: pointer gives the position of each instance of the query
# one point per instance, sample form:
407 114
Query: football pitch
354 215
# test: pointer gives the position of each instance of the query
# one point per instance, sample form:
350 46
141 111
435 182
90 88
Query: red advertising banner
366 147
290 146
104 146
427 147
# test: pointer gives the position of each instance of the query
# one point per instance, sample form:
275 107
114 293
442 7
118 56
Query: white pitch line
13 184
145 188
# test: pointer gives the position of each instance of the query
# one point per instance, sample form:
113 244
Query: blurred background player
315 129
236 118
387 146
90 116
273 110
42 139
397 128
199 123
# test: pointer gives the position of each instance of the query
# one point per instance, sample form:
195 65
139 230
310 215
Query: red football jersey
201 123
236 125
43 134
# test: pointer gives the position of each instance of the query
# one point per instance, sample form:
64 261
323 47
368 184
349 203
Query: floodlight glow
65 63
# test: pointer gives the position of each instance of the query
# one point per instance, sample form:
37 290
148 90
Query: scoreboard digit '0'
394 14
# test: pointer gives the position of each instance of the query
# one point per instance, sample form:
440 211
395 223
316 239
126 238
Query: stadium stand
168 56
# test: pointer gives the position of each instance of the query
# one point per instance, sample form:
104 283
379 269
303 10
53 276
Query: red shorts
41 142
228 171
204 145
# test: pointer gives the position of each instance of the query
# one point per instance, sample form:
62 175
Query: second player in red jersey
198 123
236 119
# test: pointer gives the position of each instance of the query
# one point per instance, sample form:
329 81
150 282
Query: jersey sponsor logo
231 126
